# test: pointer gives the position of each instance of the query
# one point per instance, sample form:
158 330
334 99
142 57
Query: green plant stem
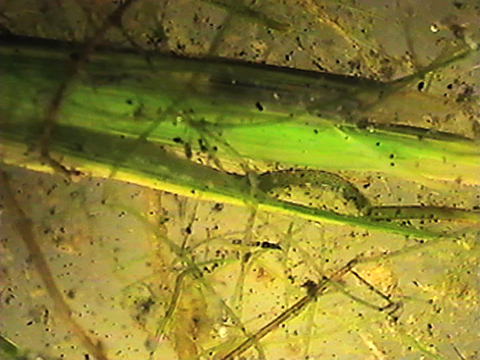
122 111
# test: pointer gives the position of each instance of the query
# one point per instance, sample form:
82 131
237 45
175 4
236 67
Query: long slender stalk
261 112
24 226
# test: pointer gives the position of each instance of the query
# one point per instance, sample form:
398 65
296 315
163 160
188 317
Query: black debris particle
311 287
259 106
268 245
146 305
188 150
203 147
218 207
177 140
71 294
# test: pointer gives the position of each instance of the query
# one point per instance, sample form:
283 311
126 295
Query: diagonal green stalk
9 350
154 167
123 111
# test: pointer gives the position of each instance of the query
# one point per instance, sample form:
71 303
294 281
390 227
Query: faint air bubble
470 42
434 28
222 332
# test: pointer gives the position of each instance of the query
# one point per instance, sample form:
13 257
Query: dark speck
269 245
188 150
71 294
259 106
217 207
311 287
203 147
